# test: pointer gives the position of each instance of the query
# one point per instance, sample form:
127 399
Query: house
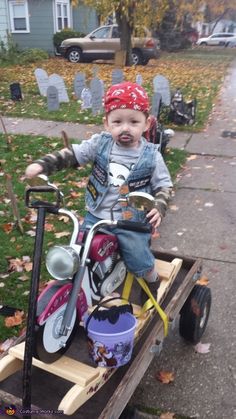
223 25
32 23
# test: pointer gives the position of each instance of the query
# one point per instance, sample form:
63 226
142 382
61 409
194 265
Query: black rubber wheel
195 313
48 345
74 55
203 44
137 57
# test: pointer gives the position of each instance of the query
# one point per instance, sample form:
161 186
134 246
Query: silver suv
104 42
223 38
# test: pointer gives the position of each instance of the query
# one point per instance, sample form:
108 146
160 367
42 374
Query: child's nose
125 126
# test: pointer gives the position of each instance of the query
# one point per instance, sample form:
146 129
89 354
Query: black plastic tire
137 57
195 313
74 55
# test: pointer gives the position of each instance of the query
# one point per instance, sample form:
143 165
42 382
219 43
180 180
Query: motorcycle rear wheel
49 345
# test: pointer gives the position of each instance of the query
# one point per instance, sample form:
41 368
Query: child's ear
148 123
105 122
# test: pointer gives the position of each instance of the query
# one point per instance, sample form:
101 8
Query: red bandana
126 95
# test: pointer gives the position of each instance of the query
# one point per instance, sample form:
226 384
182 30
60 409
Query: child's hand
154 218
33 170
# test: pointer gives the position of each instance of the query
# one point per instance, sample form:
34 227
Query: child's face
126 126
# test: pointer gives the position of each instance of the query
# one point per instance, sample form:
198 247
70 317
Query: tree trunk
125 39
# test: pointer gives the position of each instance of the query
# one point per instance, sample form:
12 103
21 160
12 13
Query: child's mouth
125 137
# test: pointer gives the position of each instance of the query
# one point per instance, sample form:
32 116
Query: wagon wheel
194 314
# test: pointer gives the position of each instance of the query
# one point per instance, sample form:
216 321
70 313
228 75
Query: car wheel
74 55
203 44
137 57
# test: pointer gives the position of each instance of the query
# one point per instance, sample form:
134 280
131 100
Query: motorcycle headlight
62 262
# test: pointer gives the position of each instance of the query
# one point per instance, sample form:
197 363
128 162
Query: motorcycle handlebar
134 226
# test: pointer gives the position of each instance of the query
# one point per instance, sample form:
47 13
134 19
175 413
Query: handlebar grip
134 226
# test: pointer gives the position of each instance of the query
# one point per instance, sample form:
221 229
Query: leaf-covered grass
198 72
14 285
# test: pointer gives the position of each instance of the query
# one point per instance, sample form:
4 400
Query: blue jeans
134 247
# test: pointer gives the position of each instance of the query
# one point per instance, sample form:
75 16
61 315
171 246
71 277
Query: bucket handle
112 314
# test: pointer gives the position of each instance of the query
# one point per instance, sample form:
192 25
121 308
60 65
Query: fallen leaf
49 227
192 157
165 377
23 278
4 276
8 227
167 415
74 194
62 234
64 218
31 233
202 348
15 320
28 266
203 280
173 207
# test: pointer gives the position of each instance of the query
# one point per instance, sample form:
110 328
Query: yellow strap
127 286
152 302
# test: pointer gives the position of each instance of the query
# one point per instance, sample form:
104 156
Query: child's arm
162 197
52 162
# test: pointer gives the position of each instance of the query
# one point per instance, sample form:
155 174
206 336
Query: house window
19 15
62 14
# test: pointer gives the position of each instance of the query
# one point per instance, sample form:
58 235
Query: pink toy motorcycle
84 272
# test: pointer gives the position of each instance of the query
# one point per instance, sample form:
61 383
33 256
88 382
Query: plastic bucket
111 345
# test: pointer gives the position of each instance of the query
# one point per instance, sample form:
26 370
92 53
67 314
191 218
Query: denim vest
139 177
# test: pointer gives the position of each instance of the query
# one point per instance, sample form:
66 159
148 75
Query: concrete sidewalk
201 223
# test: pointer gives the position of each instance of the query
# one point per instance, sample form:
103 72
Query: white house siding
3 21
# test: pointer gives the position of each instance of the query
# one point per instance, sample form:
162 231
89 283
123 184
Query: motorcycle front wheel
49 344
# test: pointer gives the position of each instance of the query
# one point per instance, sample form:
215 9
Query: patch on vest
92 190
99 173
139 183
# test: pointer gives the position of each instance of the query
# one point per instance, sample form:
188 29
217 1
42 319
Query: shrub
58 37
32 55
8 51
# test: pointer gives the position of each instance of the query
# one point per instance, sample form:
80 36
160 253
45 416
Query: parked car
104 42
223 38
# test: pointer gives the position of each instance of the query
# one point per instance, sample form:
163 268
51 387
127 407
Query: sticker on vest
92 190
139 183
99 173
